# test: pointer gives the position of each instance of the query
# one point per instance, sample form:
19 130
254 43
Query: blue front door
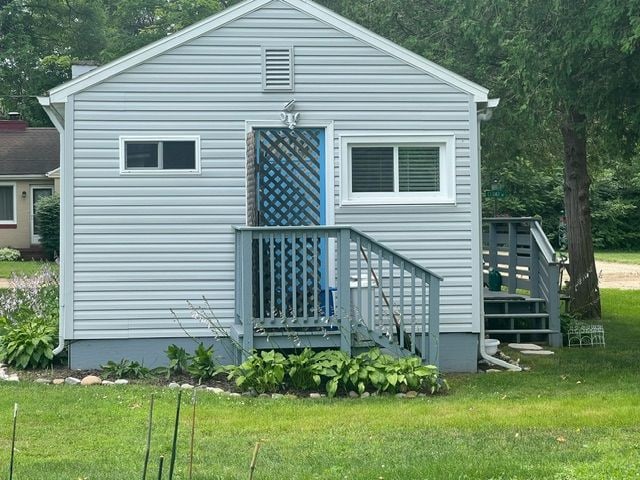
290 191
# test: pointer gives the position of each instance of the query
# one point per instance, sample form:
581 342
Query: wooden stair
519 318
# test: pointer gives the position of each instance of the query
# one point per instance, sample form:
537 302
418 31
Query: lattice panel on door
289 193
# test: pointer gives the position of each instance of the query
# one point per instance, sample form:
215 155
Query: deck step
514 300
521 330
517 315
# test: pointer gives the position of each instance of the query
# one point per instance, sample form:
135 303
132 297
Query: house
315 183
27 158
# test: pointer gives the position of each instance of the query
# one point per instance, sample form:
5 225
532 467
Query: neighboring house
27 157
169 148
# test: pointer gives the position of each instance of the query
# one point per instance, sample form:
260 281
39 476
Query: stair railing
327 277
519 249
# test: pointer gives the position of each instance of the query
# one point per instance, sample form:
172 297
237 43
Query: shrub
178 360
203 366
125 369
262 372
29 319
28 344
48 217
336 371
9 255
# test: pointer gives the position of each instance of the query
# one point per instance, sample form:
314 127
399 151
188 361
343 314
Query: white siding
143 246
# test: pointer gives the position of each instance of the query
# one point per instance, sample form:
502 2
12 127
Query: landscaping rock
411 394
91 380
353 394
525 346
365 395
186 386
315 395
400 395
72 381
107 382
250 393
216 390
121 381
264 395
277 395
536 352
13 378
235 395
58 381
44 381
173 385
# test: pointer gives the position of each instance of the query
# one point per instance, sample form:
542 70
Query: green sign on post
495 193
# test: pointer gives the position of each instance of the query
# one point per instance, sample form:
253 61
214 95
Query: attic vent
277 68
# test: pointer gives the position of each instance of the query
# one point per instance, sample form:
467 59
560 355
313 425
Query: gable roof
33 151
60 93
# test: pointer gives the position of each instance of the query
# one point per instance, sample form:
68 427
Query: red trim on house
8 225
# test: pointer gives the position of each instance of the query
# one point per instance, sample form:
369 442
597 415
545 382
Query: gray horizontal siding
145 246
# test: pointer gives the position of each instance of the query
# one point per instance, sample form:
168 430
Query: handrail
543 242
354 230
301 277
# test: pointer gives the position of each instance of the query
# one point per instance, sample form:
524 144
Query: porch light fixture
288 115
24 194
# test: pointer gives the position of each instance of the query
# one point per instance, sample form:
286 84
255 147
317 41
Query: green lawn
619 257
575 415
21 267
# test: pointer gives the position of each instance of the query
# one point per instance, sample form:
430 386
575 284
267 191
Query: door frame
329 171
35 239
329 165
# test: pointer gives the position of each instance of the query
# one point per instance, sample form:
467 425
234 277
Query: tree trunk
583 286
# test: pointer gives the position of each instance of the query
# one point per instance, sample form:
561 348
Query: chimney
81 67
13 124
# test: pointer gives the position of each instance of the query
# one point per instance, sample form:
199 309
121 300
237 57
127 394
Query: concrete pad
525 346
537 352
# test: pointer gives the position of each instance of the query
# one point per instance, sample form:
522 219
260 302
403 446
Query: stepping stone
537 352
525 346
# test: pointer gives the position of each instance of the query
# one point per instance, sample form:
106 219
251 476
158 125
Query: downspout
58 122
485 115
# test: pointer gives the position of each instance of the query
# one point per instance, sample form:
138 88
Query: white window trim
159 171
15 204
445 140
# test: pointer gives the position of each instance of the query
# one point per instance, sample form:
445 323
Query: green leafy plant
262 372
203 365
27 344
9 255
178 360
303 372
125 369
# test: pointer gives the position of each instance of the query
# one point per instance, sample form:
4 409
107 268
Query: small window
175 154
7 204
277 69
398 169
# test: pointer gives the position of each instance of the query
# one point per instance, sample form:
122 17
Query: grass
20 267
619 257
574 415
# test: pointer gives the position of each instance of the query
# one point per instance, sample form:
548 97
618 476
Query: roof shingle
33 151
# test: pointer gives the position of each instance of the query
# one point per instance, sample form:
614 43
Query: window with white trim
160 155
398 169
7 203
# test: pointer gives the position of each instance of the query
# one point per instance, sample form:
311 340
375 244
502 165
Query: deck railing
519 249
335 278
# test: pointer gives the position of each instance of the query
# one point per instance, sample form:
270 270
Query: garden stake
160 467
193 432
148 449
175 438
13 440
252 467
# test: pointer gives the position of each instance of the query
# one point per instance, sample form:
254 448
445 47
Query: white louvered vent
277 68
